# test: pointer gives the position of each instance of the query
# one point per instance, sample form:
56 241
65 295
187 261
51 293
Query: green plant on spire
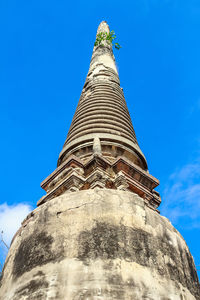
105 36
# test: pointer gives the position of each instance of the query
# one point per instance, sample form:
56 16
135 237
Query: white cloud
181 197
11 217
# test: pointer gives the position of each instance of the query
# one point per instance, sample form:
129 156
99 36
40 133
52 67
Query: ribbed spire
102 112
101 150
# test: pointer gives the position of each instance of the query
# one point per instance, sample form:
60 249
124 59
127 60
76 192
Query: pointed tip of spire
103 22
103 26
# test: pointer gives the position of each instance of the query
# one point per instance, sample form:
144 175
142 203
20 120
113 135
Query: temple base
98 244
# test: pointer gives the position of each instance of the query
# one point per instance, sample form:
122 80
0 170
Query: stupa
97 233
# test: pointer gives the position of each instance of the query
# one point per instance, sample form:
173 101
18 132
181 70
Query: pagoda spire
103 53
97 233
101 142
102 109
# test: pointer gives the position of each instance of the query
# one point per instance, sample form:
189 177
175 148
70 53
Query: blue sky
45 52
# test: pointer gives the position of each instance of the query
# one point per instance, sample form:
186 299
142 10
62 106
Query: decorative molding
98 172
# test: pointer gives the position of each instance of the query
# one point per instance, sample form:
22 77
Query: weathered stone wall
98 244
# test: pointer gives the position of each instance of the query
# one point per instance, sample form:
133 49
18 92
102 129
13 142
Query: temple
101 148
97 233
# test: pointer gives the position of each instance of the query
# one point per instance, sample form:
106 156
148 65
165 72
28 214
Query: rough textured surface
98 244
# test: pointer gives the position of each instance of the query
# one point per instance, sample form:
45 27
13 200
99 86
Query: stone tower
97 233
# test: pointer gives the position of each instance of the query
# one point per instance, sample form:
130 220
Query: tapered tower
97 233
101 149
